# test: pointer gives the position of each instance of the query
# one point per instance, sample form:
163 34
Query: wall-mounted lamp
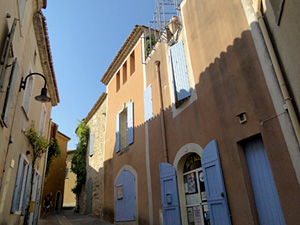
41 98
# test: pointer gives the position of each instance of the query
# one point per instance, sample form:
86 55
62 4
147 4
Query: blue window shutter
18 185
179 70
148 103
125 207
8 45
91 144
169 194
25 195
214 185
11 91
265 193
37 198
118 133
130 122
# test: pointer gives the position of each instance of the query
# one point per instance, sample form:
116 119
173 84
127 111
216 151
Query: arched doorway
58 201
194 190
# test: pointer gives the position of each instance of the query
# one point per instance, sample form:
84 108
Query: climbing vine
53 152
78 163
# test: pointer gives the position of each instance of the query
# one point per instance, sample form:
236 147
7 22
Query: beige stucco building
69 200
24 49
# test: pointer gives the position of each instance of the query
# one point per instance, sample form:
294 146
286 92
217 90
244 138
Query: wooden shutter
9 98
169 194
148 103
25 195
28 93
91 144
118 133
214 185
264 188
18 185
37 198
179 70
130 122
6 52
125 205
277 6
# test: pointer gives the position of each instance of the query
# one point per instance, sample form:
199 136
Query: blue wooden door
125 197
169 194
214 185
265 193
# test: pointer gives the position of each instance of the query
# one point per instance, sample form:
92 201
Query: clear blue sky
85 36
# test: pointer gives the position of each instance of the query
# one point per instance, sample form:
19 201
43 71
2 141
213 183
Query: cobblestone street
67 217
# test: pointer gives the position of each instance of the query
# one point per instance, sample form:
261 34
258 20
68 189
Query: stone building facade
92 195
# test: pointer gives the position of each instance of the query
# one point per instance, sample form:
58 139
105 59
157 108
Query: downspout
162 117
288 121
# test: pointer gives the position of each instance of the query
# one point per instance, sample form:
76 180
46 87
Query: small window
124 72
124 128
42 121
28 94
22 4
67 173
118 81
91 144
132 63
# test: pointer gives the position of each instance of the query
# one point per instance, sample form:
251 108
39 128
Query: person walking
47 204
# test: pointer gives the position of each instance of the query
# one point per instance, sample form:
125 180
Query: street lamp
43 96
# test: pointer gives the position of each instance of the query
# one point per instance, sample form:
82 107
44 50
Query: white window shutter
91 144
10 93
148 103
130 122
179 70
118 133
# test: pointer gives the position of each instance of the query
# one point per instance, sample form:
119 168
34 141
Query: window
42 121
67 173
118 81
179 72
21 188
28 94
124 72
10 93
22 4
124 127
91 144
148 103
132 63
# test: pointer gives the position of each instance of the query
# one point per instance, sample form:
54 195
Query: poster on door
197 215
191 183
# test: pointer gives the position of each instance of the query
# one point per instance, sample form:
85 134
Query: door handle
222 194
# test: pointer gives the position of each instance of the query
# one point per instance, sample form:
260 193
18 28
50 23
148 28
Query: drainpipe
289 122
286 96
162 117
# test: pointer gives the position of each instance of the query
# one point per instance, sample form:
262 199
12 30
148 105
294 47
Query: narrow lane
67 217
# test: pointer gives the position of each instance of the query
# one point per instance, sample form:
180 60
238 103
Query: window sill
123 150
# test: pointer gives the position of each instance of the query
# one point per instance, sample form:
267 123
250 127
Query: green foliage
78 164
38 143
148 46
53 152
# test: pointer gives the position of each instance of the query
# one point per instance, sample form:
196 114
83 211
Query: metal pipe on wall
162 117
